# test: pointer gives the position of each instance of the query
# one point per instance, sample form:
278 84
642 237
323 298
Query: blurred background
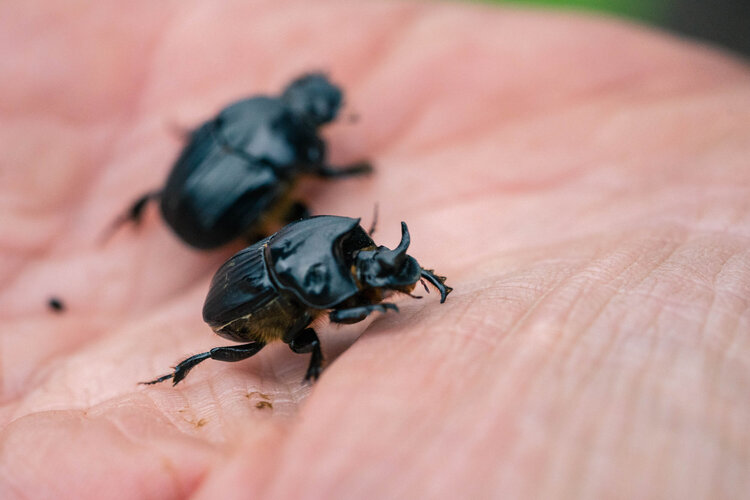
725 23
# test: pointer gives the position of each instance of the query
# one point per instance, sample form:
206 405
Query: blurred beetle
275 288
237 170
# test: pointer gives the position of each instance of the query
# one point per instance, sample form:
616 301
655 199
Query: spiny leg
133 214
438 282
357 314
374 224
329 172
226 353
307 341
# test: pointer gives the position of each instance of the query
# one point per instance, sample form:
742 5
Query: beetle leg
374 220
307 341
329 172
357 314
133 214
297 211
226 353
439 282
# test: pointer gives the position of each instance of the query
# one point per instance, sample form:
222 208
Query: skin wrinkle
578 389
49 366
731 339
495 127
170 416
572 492
600 310
408 16
714 378
176 486
37 375
651 454
713 289
558 433
18 459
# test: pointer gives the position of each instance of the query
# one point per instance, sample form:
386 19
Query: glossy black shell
312 259
309 260
235 168
240 287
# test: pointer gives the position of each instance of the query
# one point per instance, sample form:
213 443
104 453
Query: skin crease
582 182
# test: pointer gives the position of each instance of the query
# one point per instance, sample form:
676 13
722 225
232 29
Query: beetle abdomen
213 195
272 321
239 288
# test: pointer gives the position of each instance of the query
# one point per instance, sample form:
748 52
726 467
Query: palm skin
582 183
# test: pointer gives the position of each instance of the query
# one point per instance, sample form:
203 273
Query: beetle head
383 267
314 97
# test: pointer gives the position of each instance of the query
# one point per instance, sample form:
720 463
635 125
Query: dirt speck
262 405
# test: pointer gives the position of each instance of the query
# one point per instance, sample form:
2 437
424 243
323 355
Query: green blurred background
722 22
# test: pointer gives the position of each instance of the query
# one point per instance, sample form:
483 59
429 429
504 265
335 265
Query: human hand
583 184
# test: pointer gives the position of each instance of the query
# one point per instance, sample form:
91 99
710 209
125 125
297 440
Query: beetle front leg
226 353
438 282
307 341
357 314
329 172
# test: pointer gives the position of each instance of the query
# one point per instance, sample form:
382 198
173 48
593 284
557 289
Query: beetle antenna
374 224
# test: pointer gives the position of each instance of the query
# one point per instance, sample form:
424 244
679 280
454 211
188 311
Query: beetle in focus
275 288
235 175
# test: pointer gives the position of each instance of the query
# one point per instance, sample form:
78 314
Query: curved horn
394 258
405 240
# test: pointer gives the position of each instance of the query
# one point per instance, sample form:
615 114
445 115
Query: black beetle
273 289
237 169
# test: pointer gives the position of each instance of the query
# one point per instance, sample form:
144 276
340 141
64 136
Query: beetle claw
156 381
438 282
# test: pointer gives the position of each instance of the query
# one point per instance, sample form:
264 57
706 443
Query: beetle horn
393 259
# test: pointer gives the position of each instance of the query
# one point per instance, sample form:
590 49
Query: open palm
583 184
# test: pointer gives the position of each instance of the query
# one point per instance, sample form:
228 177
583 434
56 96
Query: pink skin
583 183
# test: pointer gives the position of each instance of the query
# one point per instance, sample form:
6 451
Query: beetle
234 176
275 288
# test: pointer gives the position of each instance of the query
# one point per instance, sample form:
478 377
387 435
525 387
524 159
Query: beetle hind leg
133 214
307 341
329 172
225 353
